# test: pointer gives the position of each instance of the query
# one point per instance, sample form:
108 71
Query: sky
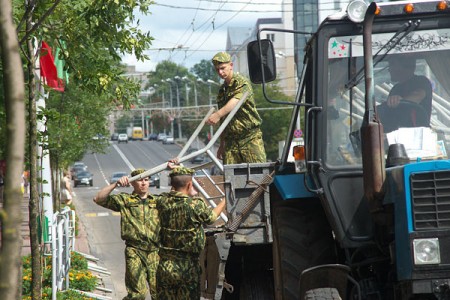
188 31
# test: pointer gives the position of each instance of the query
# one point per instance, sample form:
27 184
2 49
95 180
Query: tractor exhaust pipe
372 133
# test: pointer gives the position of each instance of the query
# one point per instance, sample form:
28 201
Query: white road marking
102 214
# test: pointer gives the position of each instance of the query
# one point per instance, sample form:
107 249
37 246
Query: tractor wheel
322 294
302 239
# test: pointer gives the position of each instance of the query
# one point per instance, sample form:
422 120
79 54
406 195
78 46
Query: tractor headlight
426 251
356 10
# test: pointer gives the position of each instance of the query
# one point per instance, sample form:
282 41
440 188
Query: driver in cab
409 101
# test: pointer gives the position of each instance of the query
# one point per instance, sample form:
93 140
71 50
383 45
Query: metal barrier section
206 149
62 242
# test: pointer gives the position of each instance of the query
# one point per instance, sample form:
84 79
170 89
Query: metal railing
62 242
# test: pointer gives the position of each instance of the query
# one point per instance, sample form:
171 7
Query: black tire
258 286
75 184
302 239
322 294
91 183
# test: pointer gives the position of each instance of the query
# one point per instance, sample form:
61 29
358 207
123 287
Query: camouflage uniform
242 136
140 231
181 240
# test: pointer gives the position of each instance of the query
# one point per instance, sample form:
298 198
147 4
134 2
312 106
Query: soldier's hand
123 181
213 119
172 163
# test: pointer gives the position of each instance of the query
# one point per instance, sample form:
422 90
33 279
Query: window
271 36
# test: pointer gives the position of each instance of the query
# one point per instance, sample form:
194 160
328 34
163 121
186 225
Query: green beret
221 57
181 171
137 172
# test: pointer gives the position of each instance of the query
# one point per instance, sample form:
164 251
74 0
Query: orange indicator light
442 5
409 8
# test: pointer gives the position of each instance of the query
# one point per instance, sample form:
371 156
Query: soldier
241 141
182 237
140 231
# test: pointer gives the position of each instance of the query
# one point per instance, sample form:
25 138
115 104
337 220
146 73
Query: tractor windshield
412 94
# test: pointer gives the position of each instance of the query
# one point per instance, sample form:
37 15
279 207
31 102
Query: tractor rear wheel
302 239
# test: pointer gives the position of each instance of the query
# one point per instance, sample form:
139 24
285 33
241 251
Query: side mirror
261 62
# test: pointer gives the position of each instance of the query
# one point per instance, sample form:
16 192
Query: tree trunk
10 217
36 257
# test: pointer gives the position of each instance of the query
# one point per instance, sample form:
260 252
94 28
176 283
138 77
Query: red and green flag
52 68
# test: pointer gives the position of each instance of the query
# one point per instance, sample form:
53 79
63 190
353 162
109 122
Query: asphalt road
103 225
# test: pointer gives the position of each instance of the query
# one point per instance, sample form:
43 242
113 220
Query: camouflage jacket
182 218
139 219
247 117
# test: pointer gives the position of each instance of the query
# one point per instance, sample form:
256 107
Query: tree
10 217
205 70
275 118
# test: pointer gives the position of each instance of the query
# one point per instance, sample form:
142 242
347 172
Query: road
103 225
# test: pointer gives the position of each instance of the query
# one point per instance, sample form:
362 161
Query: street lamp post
155 86
171 103
185 78
178 104
209 82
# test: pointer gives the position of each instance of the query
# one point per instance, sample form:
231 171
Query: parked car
161 137
169 140
83 178
199 159
152 137
98 136
190 150
155 181
114 136
122 138
116 176
77 167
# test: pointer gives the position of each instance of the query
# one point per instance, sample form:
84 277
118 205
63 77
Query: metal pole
187 94
211 128
196 105
171 105
143 121
179 111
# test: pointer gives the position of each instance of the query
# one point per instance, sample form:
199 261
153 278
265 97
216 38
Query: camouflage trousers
178 278
248 149
140 270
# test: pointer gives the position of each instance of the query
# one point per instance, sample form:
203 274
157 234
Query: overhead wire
204 41
189 27
185 43
212 18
